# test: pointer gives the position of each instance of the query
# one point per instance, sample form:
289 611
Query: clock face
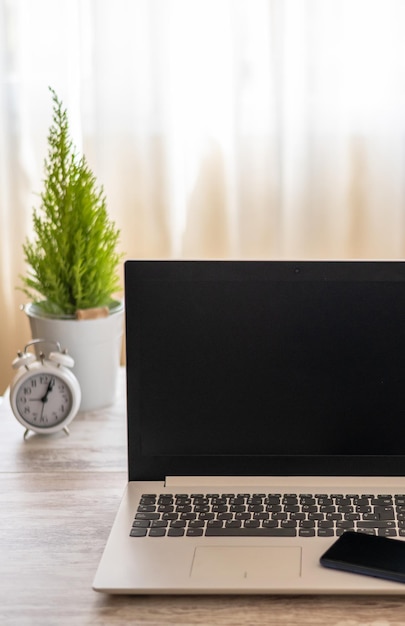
44 400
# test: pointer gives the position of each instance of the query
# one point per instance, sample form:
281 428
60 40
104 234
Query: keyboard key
138 532
345 524
346 508
178 523
270 523
291 508
175 532
187 516
297 516
279 516
309 508
387 532
376 524
225 516
289 523
234 523
307 524
197 523
252 523
139 523
261 516
273 501
194 532
316 516
255 508
219 508
157 532
325 524
147 516
242 516
307 532
170 516
290 501
206 516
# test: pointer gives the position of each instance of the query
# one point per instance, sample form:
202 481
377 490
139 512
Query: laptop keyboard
268 515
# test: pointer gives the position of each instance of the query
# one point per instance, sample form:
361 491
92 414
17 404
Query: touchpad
236 563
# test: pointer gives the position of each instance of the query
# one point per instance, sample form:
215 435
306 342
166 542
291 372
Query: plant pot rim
32 309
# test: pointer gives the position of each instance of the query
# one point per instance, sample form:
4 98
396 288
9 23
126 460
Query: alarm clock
44 395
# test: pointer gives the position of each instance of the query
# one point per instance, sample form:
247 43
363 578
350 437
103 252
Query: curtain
218 128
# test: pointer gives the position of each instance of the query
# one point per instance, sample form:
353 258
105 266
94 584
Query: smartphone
367 554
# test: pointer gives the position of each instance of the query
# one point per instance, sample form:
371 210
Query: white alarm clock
44 395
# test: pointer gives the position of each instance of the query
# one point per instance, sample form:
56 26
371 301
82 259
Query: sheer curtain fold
218 128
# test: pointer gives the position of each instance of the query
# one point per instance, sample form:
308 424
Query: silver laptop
266 417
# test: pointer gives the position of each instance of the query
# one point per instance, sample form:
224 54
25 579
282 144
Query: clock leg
66 429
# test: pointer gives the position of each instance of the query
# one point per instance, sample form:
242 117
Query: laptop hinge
297 481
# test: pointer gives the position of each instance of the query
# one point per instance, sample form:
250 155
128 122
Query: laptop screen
265 368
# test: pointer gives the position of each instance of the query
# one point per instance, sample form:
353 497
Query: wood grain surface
58 499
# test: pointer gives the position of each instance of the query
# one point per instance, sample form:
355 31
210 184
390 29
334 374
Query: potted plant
73 267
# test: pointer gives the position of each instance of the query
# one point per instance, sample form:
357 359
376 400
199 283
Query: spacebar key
250 532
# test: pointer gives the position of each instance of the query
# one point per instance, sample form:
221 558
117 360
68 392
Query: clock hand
49 389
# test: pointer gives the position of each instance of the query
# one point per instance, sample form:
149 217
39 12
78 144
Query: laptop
265 404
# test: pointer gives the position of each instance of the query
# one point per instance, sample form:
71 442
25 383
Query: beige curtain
218 128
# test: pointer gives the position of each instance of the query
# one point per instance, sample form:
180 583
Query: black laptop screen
265 362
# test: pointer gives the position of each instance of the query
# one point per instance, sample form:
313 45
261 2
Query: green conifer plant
72 259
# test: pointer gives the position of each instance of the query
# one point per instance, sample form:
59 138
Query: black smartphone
367 554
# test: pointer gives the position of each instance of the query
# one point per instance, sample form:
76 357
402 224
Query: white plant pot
94 344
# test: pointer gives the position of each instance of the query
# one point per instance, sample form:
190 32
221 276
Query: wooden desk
58 499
